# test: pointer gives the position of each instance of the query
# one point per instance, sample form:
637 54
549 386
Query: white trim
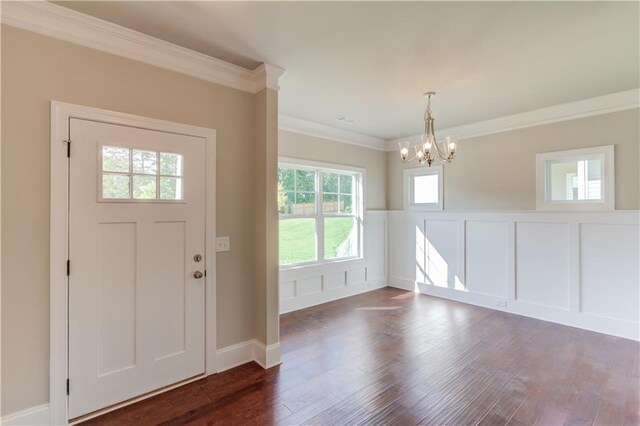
408 179
61 113
249 351
65 24
232 356
605 153
613 102
34 416
308 128
267 356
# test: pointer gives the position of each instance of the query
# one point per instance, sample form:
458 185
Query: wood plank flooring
399 358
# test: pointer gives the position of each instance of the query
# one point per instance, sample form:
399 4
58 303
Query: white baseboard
234 355
34 416
244 352
267 356
612 326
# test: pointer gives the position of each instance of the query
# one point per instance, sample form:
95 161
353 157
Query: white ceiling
371 61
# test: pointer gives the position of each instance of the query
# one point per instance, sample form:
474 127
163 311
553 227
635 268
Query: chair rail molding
55 21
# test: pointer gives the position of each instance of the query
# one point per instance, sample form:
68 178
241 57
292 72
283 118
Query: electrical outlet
222 244
501 303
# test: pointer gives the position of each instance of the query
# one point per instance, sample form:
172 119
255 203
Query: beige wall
497 172
295 145
37 69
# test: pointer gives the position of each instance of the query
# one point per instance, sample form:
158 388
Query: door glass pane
170 164
170 188
425 189
575 180
115 159
144 187
297 241
144 162
115 186
340 237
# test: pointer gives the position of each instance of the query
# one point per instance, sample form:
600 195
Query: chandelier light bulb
404 150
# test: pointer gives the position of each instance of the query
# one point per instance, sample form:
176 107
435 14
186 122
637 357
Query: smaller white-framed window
577 179
424 188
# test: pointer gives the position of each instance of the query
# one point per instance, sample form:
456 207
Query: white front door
136 250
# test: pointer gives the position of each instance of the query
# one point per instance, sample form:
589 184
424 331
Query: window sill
325 267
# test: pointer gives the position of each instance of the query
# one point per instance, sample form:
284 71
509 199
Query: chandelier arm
443 156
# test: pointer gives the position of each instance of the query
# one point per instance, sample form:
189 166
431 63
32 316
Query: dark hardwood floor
394 357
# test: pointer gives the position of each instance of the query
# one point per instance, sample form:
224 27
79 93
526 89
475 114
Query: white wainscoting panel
579 269
610 277
287 290
442 253
356 276
335 280
542 264
308 286
375 246
486 258
312 285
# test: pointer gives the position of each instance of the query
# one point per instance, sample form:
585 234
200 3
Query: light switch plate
222 244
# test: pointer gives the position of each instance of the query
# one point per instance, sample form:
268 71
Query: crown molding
613 102
296 125
65 24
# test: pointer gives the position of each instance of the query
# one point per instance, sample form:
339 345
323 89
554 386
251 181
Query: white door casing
126 346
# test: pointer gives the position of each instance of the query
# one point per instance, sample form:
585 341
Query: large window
580 179
320 213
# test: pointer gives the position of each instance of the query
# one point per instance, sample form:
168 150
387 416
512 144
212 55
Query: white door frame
61 113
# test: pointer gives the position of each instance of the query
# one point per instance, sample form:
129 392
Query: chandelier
429 150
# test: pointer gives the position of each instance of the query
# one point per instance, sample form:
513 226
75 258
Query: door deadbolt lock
197 275
197 258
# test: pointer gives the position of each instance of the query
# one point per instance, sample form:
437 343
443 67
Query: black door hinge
68 267
205 272
67 386
68 148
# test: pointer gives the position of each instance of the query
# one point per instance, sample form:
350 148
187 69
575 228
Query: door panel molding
61 114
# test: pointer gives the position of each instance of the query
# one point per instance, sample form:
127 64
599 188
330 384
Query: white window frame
358 205
131 174
409 176
543 182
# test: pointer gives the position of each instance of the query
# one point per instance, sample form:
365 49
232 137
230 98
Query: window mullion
320 215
